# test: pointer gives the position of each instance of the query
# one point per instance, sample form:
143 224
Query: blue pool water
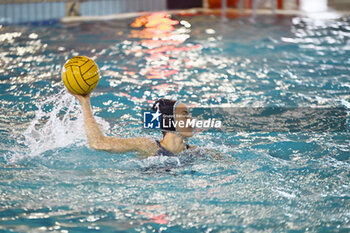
274 182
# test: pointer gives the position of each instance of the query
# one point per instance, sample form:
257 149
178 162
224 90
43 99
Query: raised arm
98 141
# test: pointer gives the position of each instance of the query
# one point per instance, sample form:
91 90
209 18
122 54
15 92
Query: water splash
154 163
57 123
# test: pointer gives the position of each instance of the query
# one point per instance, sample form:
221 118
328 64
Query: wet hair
166 108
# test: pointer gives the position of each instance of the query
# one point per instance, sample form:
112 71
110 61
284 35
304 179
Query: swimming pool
51 180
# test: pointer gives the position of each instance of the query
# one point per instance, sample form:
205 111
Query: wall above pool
37 11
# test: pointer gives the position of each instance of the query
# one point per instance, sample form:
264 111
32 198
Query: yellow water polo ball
80 75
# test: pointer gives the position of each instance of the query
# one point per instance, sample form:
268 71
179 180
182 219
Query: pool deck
230 13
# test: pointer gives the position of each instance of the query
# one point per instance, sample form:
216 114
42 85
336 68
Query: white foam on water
58 123
153 162
345 103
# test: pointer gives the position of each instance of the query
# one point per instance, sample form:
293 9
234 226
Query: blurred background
50 11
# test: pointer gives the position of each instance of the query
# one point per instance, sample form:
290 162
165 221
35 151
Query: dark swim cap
166 108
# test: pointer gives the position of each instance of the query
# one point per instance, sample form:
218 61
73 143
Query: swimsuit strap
164 151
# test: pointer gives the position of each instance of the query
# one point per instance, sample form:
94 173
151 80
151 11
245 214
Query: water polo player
172 143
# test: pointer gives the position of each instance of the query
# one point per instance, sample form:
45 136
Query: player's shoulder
146 145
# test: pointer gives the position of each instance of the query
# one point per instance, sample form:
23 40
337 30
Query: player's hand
81 98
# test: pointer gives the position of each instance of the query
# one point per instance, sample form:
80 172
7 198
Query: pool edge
231 13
